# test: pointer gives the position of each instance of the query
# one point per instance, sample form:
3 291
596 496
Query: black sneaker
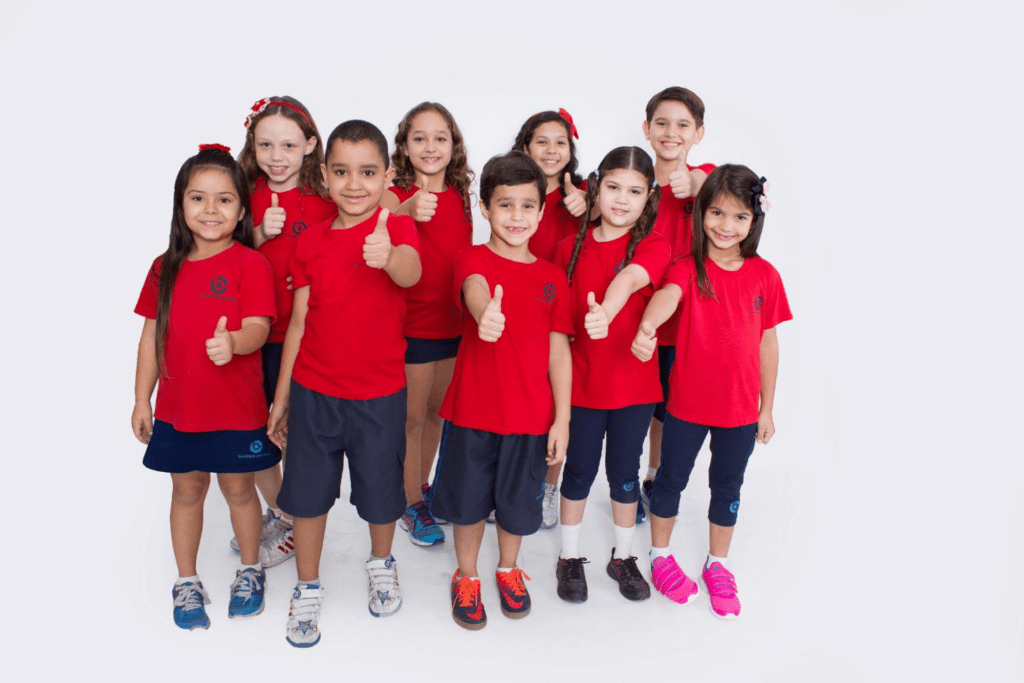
467 609
632 584
572 582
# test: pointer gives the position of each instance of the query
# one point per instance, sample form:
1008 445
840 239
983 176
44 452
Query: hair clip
568 119
760 192
223 148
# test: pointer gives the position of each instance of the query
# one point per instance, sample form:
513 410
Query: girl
547 138
727 359
281 159
432 180
614 264
208 303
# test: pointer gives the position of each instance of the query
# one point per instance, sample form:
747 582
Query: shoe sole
193 627
470 627
294 644
726 617
549 526
385 614
568 598
415 541
637 598
516 615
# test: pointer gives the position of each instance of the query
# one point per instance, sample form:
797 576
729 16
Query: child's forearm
769 369
251 337
697 177
146 368
290 348
662 305
476 292
630 280
404 266
258 238
560 375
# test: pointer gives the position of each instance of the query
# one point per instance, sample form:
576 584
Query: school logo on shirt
298 227
218 286
758 303
688 207
620 265
549 293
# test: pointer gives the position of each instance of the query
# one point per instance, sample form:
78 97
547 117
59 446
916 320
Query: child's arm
223 345
685 182
421 206
145 381
486 311
769 373
401 263
560 374
660 308
277 423
272 225
630 279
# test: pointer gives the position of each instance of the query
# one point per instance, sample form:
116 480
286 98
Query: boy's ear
647 131
699 136
323 172
483 210
540 215
389 175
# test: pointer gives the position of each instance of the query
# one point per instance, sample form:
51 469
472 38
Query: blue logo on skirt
256 446
628 486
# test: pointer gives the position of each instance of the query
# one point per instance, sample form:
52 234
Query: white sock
505 569
314 582
623 541
570 541
380 559
660 552
258 567
187 579
651 472
712 559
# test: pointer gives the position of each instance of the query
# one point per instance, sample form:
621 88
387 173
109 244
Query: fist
645 343
596 320
575 199
219 347
492 322
377 246
273 219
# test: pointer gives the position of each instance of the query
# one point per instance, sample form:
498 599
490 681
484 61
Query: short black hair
514 168
357 131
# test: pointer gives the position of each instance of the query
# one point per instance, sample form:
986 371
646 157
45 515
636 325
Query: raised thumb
568 183
382 221
591 300
222 326
273 200
496 299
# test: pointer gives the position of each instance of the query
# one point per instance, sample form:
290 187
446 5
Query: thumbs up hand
596 319
492 321
645 343
424 202
377 247
219 347
273 219
680 180
575 199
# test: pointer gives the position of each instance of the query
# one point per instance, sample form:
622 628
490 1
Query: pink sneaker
721 585
671 581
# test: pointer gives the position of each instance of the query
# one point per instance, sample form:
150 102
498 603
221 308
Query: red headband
222 148
260 105
568 119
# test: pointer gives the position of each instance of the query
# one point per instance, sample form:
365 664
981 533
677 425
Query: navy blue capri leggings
730 451
626 428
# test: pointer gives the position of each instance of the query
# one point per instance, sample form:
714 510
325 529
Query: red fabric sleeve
149 296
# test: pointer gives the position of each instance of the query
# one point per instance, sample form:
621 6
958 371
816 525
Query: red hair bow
222 148
568 119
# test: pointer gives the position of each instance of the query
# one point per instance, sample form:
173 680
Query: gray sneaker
550 506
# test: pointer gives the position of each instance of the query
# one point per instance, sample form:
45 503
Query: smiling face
672 131
513 212
621 198
212 208
429 144
549 147
356 179
727 222
280 148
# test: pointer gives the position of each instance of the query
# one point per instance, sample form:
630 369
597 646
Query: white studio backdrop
883 528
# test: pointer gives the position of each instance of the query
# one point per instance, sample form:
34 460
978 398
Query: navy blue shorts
428 350
626 428
271 355
730 450
322 430
227 451
479 471
666 357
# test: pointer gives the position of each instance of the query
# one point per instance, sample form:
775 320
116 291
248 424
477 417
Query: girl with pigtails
612 271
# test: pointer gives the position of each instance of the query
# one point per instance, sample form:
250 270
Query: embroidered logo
688 207
620 265
298 227
758 302
256 446
628 486
549 291
219 285
734 507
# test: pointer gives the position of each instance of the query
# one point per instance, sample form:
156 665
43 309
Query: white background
882 533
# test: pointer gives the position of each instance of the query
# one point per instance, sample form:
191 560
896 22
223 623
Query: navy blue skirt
228 451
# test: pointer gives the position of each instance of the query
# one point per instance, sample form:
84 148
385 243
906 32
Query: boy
675 123
507 408
341 389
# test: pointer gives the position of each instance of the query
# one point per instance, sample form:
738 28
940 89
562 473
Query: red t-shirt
300 212
605 373
353 345
431 313
503 387
555 225
198 396
716 379
675 221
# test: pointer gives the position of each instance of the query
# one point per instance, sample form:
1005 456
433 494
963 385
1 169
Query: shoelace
513 580
423 517
722 583
191 596
549 495
574 567
467 592
245 583
630 569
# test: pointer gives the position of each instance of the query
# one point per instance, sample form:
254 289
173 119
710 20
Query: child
208 303
281 160
727 357
548 138
429 150
675 123
342 385
614 264
507 408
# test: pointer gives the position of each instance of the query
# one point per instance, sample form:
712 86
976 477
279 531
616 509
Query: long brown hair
746 187
182 241
628 158
457 173
525 136
310 179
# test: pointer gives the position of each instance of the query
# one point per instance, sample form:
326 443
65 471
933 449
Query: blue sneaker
189 612
247 593
422 528
428 495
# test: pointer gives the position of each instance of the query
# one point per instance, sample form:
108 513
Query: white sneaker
267 530
304 615
385 596
550 506
279 545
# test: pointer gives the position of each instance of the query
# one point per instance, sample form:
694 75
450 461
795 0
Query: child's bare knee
190 489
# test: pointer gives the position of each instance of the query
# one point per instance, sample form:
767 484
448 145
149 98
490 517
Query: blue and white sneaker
189 601
385 596
247 593
303 628
643 508
422 528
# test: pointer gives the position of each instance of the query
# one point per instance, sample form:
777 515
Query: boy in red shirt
341 389
507 408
